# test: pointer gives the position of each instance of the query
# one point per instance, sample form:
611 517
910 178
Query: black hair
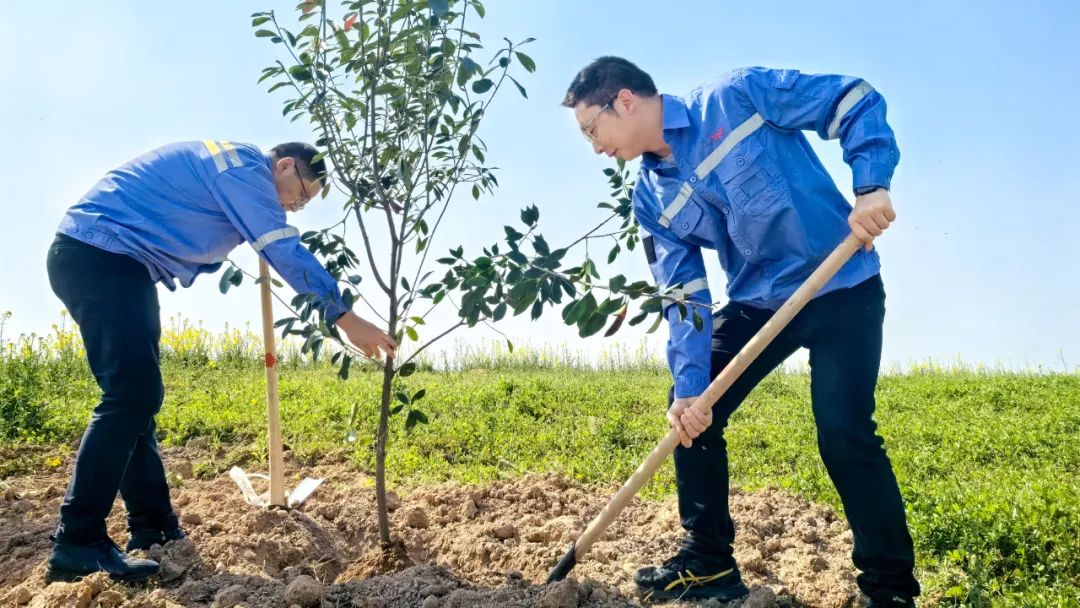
303 154
599 82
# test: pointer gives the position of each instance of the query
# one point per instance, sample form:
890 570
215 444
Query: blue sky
979 266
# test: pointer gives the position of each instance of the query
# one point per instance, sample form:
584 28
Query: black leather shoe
685 576
71 562
144 538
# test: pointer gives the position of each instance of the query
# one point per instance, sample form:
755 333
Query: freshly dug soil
455 546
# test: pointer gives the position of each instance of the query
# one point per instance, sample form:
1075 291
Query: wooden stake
273 414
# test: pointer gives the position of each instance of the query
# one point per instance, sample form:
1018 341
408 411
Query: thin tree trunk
380 455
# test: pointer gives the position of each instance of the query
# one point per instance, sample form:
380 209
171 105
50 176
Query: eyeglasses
587 129
307 197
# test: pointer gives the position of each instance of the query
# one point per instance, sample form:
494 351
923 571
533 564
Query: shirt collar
675 117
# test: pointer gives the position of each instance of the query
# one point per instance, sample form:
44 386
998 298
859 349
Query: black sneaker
887 599
144 538
685 576
70 563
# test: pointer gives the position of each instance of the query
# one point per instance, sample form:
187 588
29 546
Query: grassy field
987 460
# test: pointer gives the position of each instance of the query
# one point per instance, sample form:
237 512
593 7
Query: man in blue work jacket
167 216
727 168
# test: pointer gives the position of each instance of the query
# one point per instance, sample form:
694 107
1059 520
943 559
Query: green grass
987 461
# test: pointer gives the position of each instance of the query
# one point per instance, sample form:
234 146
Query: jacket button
693 180
748 252
685 226
740 161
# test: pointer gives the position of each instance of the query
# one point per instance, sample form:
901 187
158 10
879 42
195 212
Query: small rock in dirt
191 519
431 601
182 500
199 443
304 591
598 595
417 518
505 531
97 582
184 469
439 589
760 597
170 570
85 596
230 596
753 561
393 503
563 594
110 598
808 535
469 510
818 563
10 493
773 545
21 596
213 526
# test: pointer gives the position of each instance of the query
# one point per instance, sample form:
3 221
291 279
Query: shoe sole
695 593
67 576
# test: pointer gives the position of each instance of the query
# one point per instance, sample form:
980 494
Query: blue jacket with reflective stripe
745 183
180 209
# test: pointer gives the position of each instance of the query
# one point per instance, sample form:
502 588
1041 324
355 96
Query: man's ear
626 100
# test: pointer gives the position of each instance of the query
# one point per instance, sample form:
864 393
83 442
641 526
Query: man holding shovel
728 168
168 216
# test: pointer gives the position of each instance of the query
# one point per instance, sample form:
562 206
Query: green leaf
402 397
407 370
616 283
520 88
526 61
412 334
343 373
265 34
522 295
592 325
418 395
415 417
482 86
225 282
530 215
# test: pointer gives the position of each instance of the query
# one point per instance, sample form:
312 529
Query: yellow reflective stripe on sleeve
217 155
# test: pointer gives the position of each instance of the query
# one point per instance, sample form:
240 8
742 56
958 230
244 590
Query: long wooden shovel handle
273 414
705 401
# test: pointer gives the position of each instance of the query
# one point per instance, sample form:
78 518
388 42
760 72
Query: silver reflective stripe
706 166
230 151
274 235
690 288
737 134
853 96
217 155
680 199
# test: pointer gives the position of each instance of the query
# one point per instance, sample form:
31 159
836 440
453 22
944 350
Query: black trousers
115 305
842 330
